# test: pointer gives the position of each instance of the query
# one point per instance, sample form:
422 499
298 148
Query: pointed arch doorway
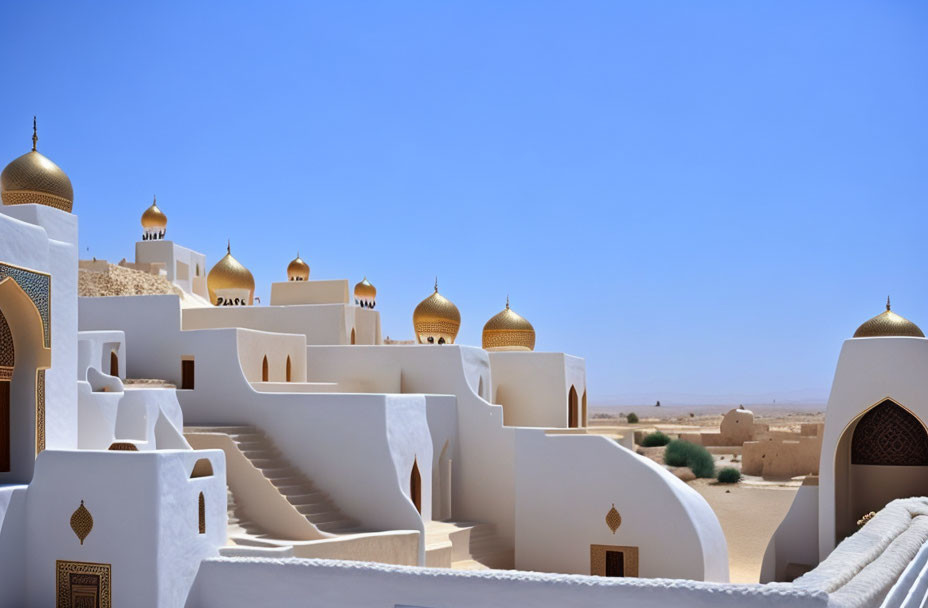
882 455
415 486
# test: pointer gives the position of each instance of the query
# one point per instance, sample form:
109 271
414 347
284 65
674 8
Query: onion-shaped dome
228 273
154 218
33 178
508 330
888 323
365 290
298 270
436 319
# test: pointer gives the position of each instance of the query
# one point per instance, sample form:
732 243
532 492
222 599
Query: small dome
508 331
154 218
436 317
364 290
33 178
298 270
228 273
888 323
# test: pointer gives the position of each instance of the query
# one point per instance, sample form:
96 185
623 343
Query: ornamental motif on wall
613 519
38 287
7 358
82 584
81 522
39 411
889 435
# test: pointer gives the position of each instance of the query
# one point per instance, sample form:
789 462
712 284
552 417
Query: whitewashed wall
533 387
241 582
94 348
145 521
176 258
320 323
565 486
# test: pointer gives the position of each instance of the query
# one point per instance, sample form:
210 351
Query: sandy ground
749 515
749 511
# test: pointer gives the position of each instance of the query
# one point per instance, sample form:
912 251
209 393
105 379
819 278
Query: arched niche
573 408
289 370
22 397
881 455
264 370
415 486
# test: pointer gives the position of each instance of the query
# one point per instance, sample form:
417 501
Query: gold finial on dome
34 179
888 323
154 220
436 320
230 283
298 270
365 292
508 330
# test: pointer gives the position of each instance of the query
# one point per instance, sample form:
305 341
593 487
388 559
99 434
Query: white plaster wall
796 538
286 293
13 546
483 457
320 323
97 414
58 257
145 513
254 346
244 582
170 254
367 480
94 348
533 387
869 370
560 512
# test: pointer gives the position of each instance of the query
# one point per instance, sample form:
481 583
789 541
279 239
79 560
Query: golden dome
298 270
508 331
364 290
33 178
228 273
154 218
436 317
888 323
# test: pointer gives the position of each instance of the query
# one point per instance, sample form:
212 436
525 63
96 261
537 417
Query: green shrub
632 418
729 475
655 439
681 453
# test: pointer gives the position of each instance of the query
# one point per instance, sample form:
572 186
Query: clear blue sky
700 198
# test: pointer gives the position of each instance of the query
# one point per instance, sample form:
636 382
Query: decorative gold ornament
888 323
613 519
436 317
508 331
365 290
154 218
33 178
81 522
298 270
228 273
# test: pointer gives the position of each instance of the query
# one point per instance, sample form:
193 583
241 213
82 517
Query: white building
160 454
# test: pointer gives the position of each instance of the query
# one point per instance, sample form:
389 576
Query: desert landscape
749 510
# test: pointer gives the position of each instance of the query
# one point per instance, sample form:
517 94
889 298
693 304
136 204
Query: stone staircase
466 546
311 502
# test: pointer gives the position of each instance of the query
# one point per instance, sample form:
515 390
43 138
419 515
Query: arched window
264 370
288 368
572 408
415 486
114 363
353 338
202 513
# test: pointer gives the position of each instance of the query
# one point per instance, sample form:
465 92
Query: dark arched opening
572 408
114 363
264 370
415 486
288 368
202 514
